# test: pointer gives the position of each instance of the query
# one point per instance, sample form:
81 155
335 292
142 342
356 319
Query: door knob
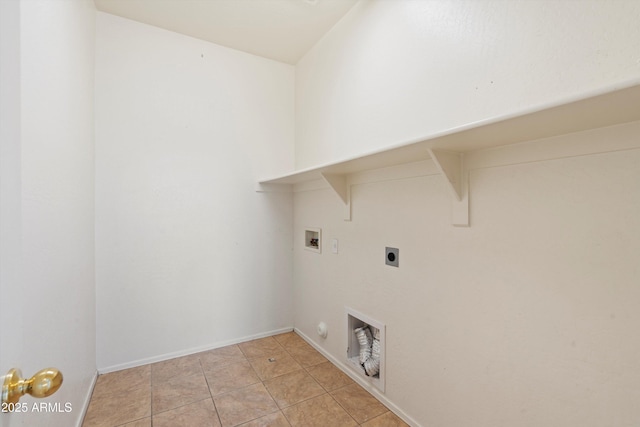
44 383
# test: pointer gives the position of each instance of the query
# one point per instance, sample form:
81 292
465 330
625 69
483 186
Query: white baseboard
187 352
365 384
87 400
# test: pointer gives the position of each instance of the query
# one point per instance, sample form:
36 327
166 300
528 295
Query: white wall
526 317
188 255
50 203
11 338
392 71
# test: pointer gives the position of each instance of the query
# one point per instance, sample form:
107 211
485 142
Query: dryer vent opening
365 347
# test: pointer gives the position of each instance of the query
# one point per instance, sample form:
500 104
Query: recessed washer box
313 239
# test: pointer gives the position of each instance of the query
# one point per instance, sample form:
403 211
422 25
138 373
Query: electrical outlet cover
392 256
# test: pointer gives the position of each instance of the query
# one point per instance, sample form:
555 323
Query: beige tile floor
274 381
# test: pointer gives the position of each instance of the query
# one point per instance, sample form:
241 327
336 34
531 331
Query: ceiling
283 30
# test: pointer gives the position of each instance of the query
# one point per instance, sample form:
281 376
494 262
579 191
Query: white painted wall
392 71
11 338
188 255
49 209
526 317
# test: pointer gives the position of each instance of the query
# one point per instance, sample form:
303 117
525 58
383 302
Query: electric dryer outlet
392 256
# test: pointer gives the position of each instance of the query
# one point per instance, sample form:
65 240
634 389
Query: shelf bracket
341 185
451 165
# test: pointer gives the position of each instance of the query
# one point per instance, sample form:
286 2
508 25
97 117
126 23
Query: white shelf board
606 107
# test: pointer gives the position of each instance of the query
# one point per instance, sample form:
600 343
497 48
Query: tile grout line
188 403
260 381
302 368
347 385
267 389
327 392
210 393
306 369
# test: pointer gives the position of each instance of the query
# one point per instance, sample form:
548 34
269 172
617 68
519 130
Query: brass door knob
44 383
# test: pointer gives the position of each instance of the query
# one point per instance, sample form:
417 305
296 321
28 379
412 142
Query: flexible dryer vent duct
365 340
369 349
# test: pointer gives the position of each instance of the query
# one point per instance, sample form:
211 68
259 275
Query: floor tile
289 339
361 405
180 366
145 422
306 355
293 387
388 419
221 356
277 419
198 414
329 376
114 409
246 404
179 391
274 365
321 411
260 347
225 378
123 381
